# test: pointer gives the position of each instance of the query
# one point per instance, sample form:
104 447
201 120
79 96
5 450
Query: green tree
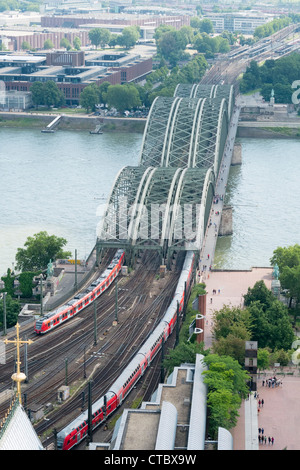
26 283
25 46
77 43
39 250
65 43
130 35
230 319
263 358
89 97
195 22
280 356
171 45
288 261
259 292
286 256
227 385
99 36
206 26
103 87
162 29
184 352
290 279
232 327
12 312
113 40
53 96
37 92
48 44
271 326
9 282
122 97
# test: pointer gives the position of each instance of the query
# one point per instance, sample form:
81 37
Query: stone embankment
71 122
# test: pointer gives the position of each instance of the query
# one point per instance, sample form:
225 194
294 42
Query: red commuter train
80 301
77 430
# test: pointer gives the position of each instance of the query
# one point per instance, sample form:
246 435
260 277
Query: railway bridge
164 203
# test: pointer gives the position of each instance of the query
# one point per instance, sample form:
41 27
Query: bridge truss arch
164 203
191 133
163 209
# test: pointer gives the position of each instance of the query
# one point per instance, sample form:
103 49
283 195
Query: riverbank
270 129
34 120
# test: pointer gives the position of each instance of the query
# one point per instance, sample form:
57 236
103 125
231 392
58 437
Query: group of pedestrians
218 197
263 439
272 382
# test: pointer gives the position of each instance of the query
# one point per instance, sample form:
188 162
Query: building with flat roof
19 72
174 419
244 22
78 20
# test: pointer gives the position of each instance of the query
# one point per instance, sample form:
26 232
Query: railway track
74 342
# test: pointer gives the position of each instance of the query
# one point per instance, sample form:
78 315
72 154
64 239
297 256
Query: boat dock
50 127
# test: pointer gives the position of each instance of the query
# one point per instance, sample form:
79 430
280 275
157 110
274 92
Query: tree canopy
288 262
271 27
264 319
12 311
278 75
99 36
227 385
47 93
122 97
89 97
39 250
129 36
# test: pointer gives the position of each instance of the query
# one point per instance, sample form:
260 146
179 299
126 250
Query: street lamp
41 277
3 296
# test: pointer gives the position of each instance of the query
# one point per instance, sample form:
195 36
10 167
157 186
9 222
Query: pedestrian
265 439
269 439
262 402
272 440
211 300
262 430
259 430
263 383
259 438
259 402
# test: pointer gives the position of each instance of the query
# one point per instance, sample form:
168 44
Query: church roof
17 432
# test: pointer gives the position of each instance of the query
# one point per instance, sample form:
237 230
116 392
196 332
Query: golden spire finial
18 376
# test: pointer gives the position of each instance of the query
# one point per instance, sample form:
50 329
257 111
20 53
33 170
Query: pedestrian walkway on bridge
211 234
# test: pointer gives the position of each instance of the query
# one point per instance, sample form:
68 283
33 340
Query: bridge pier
226 222
237 154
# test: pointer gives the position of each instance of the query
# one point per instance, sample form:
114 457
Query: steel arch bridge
164 203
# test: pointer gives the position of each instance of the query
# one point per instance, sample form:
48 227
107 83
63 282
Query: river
57 183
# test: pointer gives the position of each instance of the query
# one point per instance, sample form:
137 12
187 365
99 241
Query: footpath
279 416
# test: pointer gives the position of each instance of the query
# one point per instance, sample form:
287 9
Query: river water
59 183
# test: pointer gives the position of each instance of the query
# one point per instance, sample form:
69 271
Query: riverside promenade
280 415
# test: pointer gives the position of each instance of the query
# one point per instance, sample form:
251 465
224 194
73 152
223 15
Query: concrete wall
268 133
226 221
237 154
85 123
